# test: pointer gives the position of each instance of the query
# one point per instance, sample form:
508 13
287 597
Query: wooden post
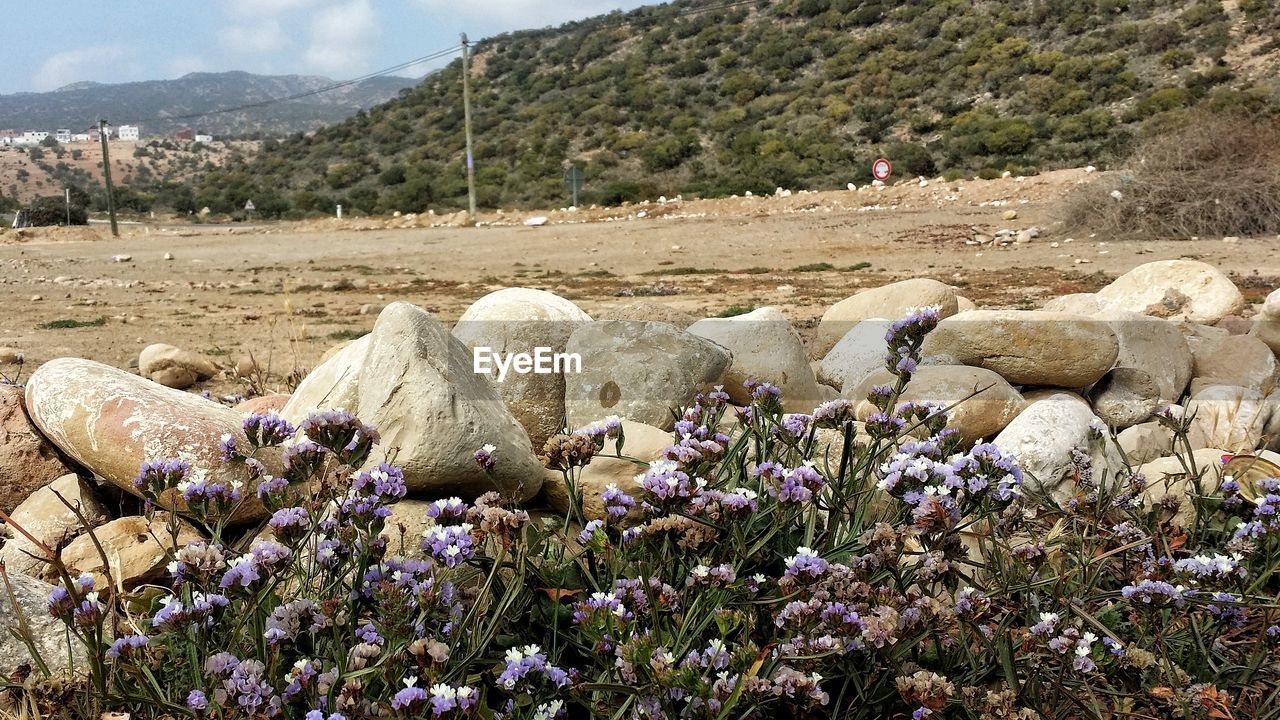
466 119
106 175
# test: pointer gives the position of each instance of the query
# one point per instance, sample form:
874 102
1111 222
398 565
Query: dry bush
1214 175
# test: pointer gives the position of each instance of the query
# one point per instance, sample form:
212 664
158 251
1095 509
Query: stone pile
1166 338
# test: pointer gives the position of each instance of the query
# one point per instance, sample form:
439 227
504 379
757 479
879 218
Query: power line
298 96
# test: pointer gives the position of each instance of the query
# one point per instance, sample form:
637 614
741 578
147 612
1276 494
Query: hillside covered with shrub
713 98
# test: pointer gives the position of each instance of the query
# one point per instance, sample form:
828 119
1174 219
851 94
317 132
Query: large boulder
111 422
859 353
48 519
1125 396
1074 303
263 404
1029 347
643 442
1157 347
1043 436
1175 289
136 549
521 320
765 348
27 460
987 403
891 301
640 371
174 367
1266 327
415 383
1232 418
1241 360
29 604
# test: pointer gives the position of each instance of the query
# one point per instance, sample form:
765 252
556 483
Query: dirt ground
287 292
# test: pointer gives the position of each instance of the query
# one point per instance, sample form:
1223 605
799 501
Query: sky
114 42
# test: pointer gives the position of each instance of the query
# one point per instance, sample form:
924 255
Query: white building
127 132
34 136
206 139
80 137
62 135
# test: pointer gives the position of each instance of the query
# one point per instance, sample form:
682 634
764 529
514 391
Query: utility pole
466 120
66 193
106 175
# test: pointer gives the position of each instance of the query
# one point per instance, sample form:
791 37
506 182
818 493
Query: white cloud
264 36
342 38
503 15
91 63
252 9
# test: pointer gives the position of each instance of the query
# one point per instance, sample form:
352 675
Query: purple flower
589 531
156 476
616 502
409 699
1156 593
242 572
289 524
125 646
449 544
384 481
266 430
833 414
806 565
447 511
301 460
197 701
227 448
484 457
339 432
527 661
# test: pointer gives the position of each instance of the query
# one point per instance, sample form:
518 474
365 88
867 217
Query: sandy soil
290 292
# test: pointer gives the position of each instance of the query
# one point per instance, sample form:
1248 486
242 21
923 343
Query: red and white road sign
881 169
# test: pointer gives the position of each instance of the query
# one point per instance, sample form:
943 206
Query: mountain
157 105
713 98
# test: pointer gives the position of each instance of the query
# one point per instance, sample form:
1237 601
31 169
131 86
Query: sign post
574 179
881 169
248 209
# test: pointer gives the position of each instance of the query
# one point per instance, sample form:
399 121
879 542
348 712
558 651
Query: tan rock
639 371
1232 418
1029 347
1125 397
1157 347
1075 303
11 356
28 461
520 320
135 550
1043 435
1241 360
413 381
1145 442
987 403
859 353
49 520
111 422
890 301
765 348
263 404
174 367
1175 289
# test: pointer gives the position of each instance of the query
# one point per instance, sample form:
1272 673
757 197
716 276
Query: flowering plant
768 565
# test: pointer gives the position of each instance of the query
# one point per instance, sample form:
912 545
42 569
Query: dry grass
1215 175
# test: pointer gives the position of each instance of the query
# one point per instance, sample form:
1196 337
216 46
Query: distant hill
156 104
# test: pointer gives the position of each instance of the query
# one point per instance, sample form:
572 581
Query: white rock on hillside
1175 289
765 348
889 301
640 371
520 320
1029 347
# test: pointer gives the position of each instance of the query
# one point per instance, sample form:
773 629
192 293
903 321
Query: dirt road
290 292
